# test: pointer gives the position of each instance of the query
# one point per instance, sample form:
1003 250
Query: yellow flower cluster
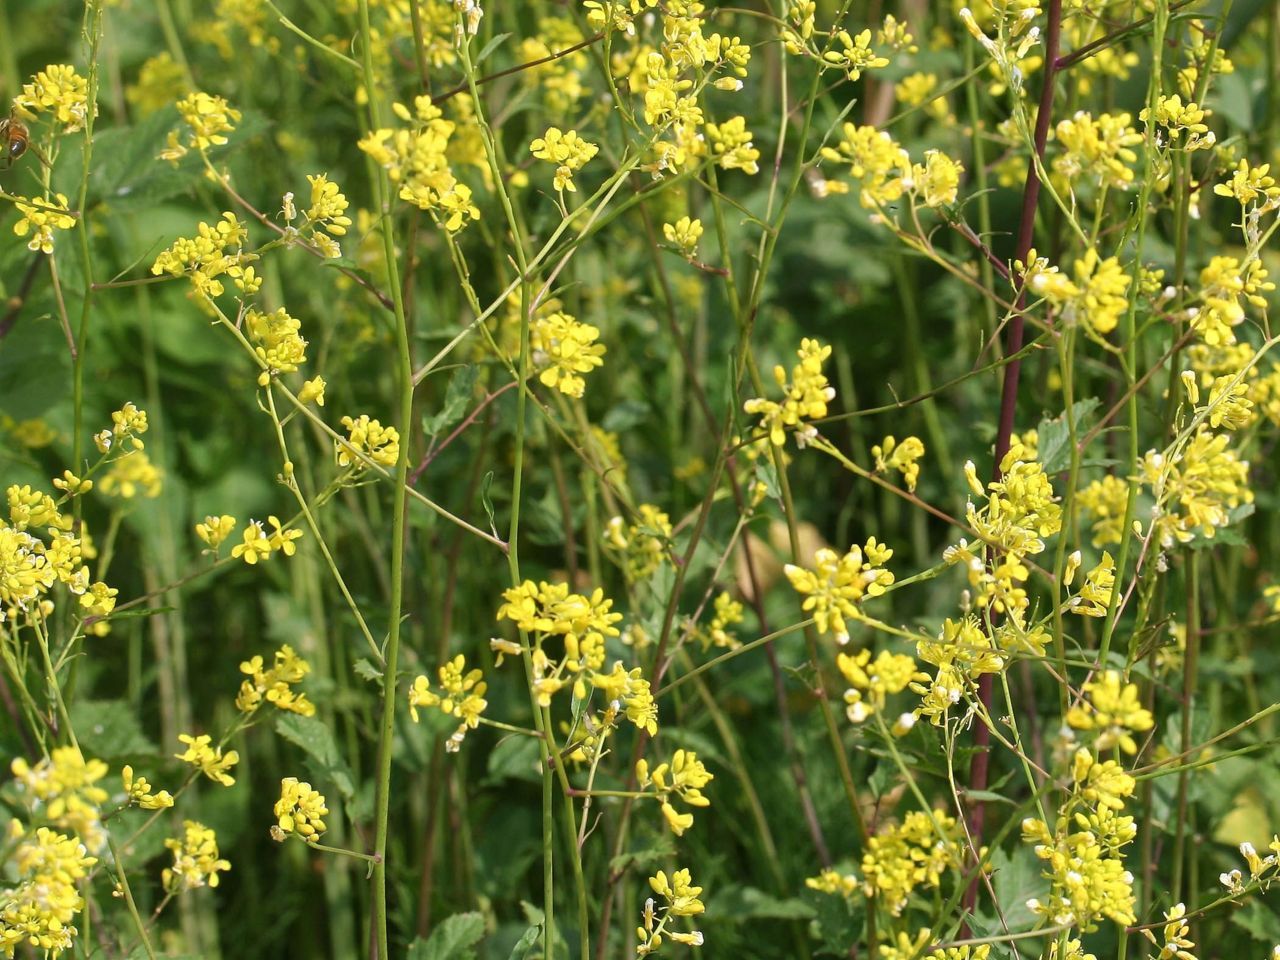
1096 300
1020 510
209 119
1176 117
1100 149
643 544
837 584
547 610
276 341
196 862
1196 488
872 682
40 218
57 90
915 853
1106 500
1224 282
368 438
39 910
684 234
461 695
889 455
1249 185
1175 941
326 212
1113 710
1094 598
726 612
274 685
844 885
568 152
961 654
299 810
805 397
629 691
131 475
684 777
416 158
208 759
255 543
680 899
212 253
38 550
138 791
1083 853
63 787
564 349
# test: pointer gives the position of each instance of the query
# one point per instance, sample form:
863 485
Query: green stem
404 371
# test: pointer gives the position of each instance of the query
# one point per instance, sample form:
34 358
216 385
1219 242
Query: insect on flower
14 140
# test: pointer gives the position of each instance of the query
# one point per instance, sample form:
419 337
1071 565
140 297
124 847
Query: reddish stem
979 765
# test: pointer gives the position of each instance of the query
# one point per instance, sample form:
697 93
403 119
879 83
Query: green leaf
1015 879
456 398
748 903
515 757
317 741
1259 919
367 671
526 942
489 47
487 501
1055 435
109 729
451 940
645 859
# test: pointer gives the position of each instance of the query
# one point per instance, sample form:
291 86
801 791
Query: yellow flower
254 545
40 218
568 151
855 54
275 684
461 695
59 90
196 862
564 349
210 119
139 792
208 759
891 455
871 682
215 530
132 475
684 234
1112 709
837 584
370 438
300 810
805 397
732 145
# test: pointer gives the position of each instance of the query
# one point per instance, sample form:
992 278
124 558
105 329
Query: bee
15 139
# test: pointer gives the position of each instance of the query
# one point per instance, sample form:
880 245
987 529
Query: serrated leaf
1054 436
367 671
452 939
456 398
317 741
1015 879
